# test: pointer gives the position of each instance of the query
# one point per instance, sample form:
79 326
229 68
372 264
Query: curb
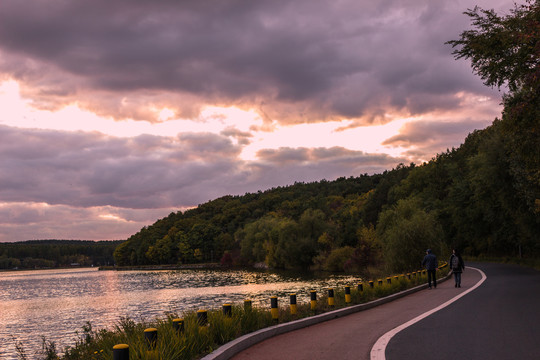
233 347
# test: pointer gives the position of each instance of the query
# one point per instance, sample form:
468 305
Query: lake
56 304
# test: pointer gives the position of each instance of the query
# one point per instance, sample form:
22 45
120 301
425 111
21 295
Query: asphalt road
498 320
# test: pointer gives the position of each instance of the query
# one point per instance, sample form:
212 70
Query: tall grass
196 341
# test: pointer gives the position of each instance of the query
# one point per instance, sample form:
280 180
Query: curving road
498 320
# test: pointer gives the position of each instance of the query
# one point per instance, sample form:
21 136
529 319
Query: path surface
498 320
352 336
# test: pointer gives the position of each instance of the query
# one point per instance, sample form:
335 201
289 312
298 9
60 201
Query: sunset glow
99 138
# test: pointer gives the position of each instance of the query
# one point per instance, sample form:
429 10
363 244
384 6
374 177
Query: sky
114 114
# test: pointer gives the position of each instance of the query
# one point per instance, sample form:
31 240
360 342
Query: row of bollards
121 351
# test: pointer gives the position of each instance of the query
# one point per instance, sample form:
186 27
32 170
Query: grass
196 341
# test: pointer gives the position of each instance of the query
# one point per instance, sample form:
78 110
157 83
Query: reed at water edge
196 340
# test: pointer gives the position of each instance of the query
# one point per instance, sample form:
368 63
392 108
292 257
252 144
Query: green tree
502 49
506 50
406 231
163 252
338 258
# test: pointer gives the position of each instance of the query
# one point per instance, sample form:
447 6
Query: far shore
49 268
163 267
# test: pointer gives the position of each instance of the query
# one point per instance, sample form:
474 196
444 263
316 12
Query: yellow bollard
202 317
371 284
347 294
293 304
331 302
396 278
178 325
151 337
227 310
121 352
388 280
274 311
247 305
313 295
380 282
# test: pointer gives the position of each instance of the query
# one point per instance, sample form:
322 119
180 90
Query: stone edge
234 347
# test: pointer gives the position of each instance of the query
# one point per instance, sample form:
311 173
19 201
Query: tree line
56 253
482 198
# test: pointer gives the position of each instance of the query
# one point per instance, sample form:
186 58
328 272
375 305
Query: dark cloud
242 137
90 169
29 221
296 61
423 139
303 164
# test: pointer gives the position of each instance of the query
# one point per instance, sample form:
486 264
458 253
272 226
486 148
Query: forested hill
56 253
483 197
470 198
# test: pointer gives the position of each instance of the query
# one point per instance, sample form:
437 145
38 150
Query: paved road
353 336
499 320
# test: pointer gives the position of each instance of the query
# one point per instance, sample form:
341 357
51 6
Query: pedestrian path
353 336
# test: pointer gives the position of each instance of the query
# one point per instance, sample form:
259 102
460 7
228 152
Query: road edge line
379 348
228 350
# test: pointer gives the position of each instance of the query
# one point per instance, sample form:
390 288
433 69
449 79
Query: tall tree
503 49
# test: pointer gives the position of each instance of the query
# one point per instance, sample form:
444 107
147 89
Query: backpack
455 263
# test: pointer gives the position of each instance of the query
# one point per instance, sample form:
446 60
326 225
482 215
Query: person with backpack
430 262
458 266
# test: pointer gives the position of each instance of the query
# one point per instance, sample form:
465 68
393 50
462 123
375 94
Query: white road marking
378 350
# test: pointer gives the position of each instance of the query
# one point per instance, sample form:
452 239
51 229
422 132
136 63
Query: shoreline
51 268
163 267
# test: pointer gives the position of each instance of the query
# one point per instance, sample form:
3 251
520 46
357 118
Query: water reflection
57 303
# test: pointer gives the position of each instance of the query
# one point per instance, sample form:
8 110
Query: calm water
57 303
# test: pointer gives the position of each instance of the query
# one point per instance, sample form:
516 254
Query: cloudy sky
115 113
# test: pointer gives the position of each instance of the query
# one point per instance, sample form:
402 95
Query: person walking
457 265
430 262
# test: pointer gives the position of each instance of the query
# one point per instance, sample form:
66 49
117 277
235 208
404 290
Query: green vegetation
196 341
56 253
483 197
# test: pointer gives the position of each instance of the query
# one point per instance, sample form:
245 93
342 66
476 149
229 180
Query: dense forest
56 253
482 198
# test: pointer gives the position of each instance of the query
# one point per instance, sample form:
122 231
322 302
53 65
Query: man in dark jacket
430 262
457 265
